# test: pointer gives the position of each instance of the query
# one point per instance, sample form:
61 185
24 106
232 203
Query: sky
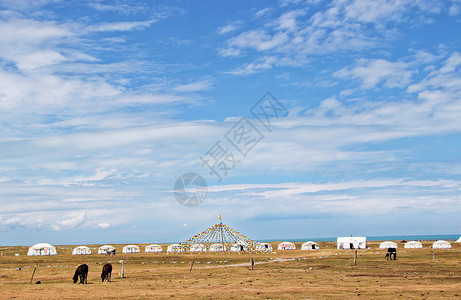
304 119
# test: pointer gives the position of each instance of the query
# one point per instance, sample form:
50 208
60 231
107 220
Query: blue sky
104 104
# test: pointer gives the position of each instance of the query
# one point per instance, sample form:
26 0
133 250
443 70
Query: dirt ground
325 273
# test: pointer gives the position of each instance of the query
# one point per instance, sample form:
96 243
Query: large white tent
154 248
440 244
131 249
458 240
81 250
286 246
217 248
310 245
197 248
175 248
413 245
387 245
263 247
105 248
351 242
42 249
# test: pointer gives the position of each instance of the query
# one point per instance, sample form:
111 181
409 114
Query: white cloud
376 71
71 221
227 28
104 225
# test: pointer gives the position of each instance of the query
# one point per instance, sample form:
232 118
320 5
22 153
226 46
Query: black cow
391 252
82 272
106 272
109 252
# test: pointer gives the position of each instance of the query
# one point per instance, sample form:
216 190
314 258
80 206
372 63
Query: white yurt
413 245
131 249
197 248
440 244
42 249
458 240
217 248
352 242
154 248
105 248
239 247
175 248
387 245
310 246
286 246
81 250
264 247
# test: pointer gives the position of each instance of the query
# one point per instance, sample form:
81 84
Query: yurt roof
43 245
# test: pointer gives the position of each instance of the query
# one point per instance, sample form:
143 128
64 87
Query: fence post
355 257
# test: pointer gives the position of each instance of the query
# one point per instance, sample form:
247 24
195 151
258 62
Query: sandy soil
326 273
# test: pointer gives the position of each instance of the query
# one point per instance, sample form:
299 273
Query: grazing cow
391 252
109 252
106 272
82 272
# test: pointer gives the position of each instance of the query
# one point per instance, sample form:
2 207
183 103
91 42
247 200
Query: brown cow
106 272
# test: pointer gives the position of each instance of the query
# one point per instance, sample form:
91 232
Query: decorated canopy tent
220 234
217 248
351 242
175 248
131 249
263 247
154 248
440 244
286 246
310 246
105 248
42 249
413 245
458 240
387 245
81 250
198 248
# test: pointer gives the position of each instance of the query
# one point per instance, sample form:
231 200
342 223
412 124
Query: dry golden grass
412 275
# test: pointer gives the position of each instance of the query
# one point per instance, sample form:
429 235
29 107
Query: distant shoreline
397 238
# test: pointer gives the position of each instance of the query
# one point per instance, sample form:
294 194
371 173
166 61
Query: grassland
326 273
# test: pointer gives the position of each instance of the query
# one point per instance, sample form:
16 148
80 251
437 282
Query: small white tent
81 250
154 248
131 249
197 248
263 247
310 245
42 249
239 247
440 244
413 245
458 240
351 242
105 248
175 248
387 245
217 248
286 246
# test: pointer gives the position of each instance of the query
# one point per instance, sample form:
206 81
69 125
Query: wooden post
252 263
355 257
123 269
32 277
192 264
433 254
